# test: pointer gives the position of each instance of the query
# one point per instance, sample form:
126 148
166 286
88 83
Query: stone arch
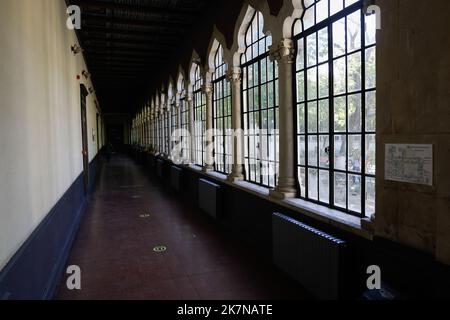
171 92
243 22
217 41
195 61
181 80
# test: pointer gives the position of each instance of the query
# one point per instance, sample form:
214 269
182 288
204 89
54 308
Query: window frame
199 108
223 88
332 133
245 112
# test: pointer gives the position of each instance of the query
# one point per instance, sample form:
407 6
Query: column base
207 169
233 177
283 193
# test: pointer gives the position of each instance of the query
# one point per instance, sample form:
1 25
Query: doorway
84 135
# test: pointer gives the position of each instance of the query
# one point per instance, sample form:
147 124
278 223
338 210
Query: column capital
283 51
234 75
207 88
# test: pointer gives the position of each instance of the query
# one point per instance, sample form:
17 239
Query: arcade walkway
129 215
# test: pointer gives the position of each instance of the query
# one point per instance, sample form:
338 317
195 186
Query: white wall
40 130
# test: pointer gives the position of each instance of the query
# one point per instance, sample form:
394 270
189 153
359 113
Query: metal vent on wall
310 256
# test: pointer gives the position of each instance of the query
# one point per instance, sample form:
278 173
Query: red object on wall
78 77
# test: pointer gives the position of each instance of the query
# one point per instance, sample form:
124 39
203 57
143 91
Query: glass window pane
302 182
354 31
370 196
350 2
300 55
322 10
264 101
370 68
324 151
263 71
336 6
354 193
301 118
323 45
354 72
312 83
339 38
324 112
323 81
340 192
250 75
354 113
312 184
300 87
370 111
311 45
370 29
312 117
370 154
339 76
309 18
324 186
301 151
340 119
312 151
354 153
340 152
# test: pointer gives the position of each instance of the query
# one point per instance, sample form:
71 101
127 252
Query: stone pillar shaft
234 77
283 53
209 147
190 102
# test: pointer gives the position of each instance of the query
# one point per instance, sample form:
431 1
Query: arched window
335 80
173 122
184 109
260 106
153 126
222 116
166 131
199 118
147 127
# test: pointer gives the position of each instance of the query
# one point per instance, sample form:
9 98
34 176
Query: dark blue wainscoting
36 268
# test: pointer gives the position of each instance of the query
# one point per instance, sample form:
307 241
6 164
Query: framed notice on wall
411 163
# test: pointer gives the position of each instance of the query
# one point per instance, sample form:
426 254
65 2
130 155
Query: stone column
178 111
283 53
209 146
237 173
169 131
190 102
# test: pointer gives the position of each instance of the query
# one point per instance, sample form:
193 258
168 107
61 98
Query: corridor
224 150
129 214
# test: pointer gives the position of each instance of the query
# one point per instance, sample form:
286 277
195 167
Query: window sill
323 214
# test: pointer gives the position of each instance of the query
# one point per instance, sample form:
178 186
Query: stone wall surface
413 82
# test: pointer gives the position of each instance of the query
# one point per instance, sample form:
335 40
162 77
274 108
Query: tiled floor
114 248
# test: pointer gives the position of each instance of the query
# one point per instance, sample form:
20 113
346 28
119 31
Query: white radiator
208 197
310 256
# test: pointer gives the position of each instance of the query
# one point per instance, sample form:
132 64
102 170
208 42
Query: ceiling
126 42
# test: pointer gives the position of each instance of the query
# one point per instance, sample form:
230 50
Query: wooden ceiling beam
166 24
96 5
141 41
